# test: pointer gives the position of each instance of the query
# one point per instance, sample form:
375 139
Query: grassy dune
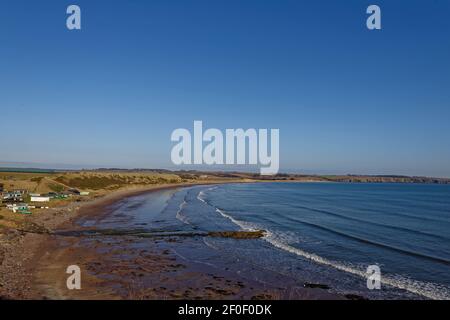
97 183
113 181
89 181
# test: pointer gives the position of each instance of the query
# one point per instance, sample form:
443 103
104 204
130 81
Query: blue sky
346 99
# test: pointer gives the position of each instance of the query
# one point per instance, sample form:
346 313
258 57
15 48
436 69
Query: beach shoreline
22 249
45 258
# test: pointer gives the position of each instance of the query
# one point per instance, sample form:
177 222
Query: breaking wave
278 240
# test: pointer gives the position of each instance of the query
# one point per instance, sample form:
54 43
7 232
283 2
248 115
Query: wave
428 290
202 194
372 222
245 225
375 243
411 216
242 224
180 216
420 218
425 289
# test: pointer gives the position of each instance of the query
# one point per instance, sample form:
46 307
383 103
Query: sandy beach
21 250
118 267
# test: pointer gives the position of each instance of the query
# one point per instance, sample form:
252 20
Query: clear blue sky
346 99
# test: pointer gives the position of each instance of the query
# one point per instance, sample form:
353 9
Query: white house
40 199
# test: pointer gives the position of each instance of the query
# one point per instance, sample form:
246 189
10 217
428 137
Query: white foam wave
428 290
200 196
242 224
180 216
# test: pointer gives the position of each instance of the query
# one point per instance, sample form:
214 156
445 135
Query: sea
315 233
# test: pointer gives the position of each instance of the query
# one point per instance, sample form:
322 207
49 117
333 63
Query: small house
40 199
12 197
84 193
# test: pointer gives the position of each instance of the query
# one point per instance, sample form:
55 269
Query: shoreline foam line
417 287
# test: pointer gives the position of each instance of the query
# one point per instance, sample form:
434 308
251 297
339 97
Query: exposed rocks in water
316 286
238 234
171 234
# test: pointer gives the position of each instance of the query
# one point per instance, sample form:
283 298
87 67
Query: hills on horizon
355 178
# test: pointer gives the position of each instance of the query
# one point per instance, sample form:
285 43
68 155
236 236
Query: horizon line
62 168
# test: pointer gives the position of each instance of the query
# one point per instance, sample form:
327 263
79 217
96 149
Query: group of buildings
20 200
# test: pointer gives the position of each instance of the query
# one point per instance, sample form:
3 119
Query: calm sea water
324 233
